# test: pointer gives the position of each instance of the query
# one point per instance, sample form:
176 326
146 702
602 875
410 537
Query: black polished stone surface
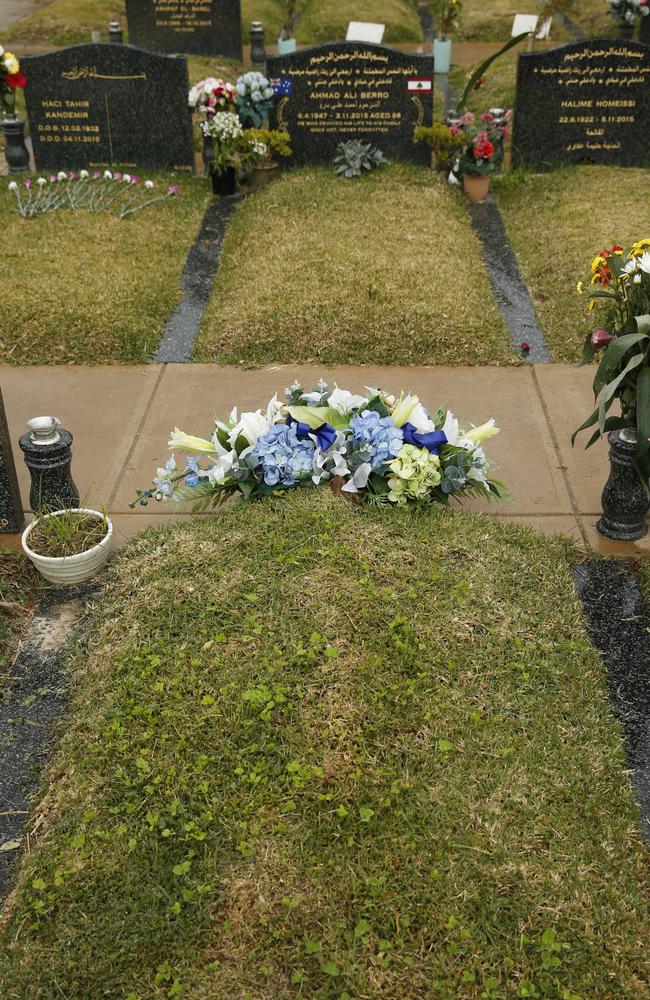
11 507
198 278
624 498
510 292
619 625
196 27
50 468
586 102
109 106
328 94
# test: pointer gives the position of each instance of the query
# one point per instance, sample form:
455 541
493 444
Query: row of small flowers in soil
94 192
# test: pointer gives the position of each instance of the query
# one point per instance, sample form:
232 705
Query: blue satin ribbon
432 440
325 434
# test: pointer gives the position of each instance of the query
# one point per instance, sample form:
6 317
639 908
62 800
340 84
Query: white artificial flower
359 479
83 174
273 410
479 434
126 178
41 181
344 401
451 428
148 185
224 464
187 442
2 51
637 279
108 175
630 267
403 408
250 426
644 262
61 176
12 186
421 419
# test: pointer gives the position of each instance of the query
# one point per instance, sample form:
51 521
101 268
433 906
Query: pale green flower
482 433
415 471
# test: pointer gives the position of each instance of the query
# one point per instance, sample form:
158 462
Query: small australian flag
282 85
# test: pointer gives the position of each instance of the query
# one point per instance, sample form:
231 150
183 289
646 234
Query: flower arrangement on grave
122 194
627 12
212 95
11 80
620 283
375 447
254 98
274 141
482 141
443 143
224 131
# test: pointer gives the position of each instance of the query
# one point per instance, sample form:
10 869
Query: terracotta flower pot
476 188
261 176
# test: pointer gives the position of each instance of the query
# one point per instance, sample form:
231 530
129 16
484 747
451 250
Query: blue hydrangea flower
192 478
285 459
377 437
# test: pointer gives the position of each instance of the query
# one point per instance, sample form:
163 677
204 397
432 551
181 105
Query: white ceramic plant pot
286 45
65 570
441 55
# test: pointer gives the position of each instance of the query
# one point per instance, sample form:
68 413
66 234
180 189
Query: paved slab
121 418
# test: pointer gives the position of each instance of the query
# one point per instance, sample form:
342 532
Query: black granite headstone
587 102
351 90
109 105
11 508
198 27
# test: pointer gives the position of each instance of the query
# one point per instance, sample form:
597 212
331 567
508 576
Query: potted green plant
442 142
620 281
481 152
264 145
448 14
68 546
286 41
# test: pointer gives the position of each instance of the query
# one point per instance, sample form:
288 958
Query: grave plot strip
618 620
510 292
198 278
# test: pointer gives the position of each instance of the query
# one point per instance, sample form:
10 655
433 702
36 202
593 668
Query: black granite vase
626 31
225 183
625 499
16 152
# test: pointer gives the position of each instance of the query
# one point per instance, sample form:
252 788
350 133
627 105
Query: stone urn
625 498
16 152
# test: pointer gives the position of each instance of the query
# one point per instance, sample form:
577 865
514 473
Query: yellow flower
639 248
579 288
11 63
591 304
596 262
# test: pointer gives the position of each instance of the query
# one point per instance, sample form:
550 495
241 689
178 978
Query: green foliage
443 144
354 157
278 142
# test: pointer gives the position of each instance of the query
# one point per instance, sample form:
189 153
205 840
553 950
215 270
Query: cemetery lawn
108 287
383 269
557 223
327 20
65 22
20 585
320 750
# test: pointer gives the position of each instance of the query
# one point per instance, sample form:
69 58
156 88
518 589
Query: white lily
218 473
403 408
451 428
187 442
421 419
250 426
479 434
344 401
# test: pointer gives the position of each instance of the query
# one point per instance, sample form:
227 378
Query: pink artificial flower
173 190
117 176
508 115
455 129
468 117
27 182
505 131
135 179
72 176
480 138
96 175
52 179
487 117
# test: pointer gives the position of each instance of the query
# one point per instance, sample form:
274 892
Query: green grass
327 20
557 223
65 22
19 588
87 289
498 88
318 751
382 269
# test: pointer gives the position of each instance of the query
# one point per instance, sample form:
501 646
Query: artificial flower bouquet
211 95
448 15
378 448
254 98
11 80
626 12
483 142
225 132
620 282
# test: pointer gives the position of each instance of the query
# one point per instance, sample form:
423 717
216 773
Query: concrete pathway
14 10
121 418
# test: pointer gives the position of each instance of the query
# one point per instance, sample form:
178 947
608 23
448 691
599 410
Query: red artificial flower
605 253
601 338
603 273
483 150
16 81
479 83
